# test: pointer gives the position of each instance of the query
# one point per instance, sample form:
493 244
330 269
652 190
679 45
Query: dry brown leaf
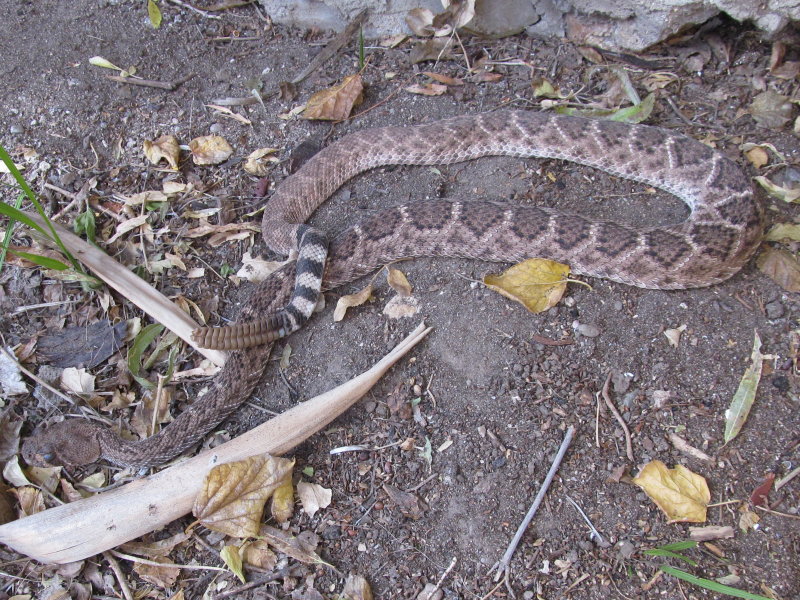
313 497
401 307
445 79
258 554
398 281
408 503
77 381
682 495
298 547
9 434
536 283
748 519
46 478
432 49
771 110
163 577
259 162
283 500
427 89
210 150
130 225
487 77
787 194
166 147
356 588
146 414
351 300
159 548
420 21
674 335
335 104
781 266
233 495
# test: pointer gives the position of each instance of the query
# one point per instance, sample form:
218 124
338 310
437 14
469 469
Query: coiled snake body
722 231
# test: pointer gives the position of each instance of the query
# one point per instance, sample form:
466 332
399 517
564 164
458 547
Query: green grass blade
140 344
714 586
9 232
678 546
42 261
668 554
14 214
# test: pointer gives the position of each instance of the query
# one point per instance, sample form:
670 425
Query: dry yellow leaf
283 500
682 495
166 147
536 283
398 281
335 103
233 495
30 500
351 300
210 150
259 162
230 556
757 156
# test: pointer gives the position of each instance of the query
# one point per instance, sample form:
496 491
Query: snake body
722 231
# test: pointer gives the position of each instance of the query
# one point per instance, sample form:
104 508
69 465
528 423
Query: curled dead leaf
681 494
313 497
258 554
771 110
210 150
536 283
301 547
166 147
335 103
427 89
283 498
420 21
351 300
233 494
398 282
259 162
780 192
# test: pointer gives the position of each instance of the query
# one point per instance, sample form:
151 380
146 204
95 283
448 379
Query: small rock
774 310
621 381
626 549
586 329
781 383
430 592
15 129
618 305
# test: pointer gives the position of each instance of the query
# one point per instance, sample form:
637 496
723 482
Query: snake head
70 443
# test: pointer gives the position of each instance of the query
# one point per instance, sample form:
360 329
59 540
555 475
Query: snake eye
48 457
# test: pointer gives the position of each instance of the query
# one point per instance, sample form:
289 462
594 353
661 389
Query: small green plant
361 60
15 215
674 551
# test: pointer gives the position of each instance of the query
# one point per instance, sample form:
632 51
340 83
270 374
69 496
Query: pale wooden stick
87 527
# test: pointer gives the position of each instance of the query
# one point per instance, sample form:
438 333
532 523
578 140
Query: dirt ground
483 392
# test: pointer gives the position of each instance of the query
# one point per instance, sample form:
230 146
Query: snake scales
722 231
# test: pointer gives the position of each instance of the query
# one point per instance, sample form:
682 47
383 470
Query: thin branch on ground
123 583
503 565
152 563
620 420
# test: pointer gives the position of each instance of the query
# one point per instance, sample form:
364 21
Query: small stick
620 420
123 583
197 10
152 563
784 480
503 565
443 577
161 85
332 47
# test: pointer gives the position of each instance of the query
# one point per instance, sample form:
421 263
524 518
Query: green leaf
668 554
637 113
231 557
714 586
678 546
745 395
308 471
85 223
155 20
42 261
140 344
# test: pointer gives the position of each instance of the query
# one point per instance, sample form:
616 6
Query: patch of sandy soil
489 399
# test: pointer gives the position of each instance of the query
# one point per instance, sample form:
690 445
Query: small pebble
14 129
626 549
774 310
618 305
586 329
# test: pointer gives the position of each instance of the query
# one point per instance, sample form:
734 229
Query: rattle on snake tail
722 231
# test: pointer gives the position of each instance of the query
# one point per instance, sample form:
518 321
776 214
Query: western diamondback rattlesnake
722 231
